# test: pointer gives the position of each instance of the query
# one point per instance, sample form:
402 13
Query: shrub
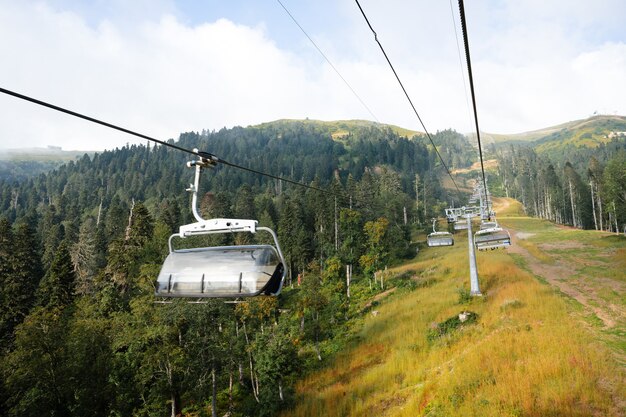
441 329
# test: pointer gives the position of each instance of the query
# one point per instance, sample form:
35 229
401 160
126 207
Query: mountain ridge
539 134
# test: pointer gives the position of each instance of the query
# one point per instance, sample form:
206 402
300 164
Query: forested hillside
574 176
21 164
80 249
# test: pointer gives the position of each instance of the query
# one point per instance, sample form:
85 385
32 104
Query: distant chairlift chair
491 237
439 238
488 225
461 224
221 271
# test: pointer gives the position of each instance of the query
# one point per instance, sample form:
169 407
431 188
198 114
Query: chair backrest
222 271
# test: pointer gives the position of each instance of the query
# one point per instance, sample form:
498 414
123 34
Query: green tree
20 282
295 239
84 257
58 284
615 189
277 362
312 301
35 374
6 271
127 254
376 251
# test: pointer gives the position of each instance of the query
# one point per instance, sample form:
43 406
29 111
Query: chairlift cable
329 62
458 49
471 82
407 95
201 154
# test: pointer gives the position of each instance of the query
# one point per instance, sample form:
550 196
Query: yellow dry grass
525 356
489 165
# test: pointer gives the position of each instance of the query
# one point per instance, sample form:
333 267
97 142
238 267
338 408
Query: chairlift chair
488 225
221 271
439 238
461 225
492 238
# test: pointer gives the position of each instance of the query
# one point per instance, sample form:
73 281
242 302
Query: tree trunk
336 228
280 390
348 277
382 279
600 208
593 206
99 213
317 336
230 390
213 391
252 384
417 197
571 199
175 406
130 220
424 199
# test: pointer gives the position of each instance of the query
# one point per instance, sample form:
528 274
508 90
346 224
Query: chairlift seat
461 225
488 225
223 271
220 271
440 239
493 238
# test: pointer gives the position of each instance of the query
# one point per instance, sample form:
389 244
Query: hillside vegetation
611 123
342 128
532 350
20 164
575 176
81 246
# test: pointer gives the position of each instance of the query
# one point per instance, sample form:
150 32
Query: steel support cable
407 96
458 49
471 82
201 154
329 62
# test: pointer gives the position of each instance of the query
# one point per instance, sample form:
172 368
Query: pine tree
20 283
126 254
6 272
83 255
58 285
35 372
615 189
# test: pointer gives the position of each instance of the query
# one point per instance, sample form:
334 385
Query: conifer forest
82 333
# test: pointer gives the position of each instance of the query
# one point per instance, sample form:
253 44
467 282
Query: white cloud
533 67
161 78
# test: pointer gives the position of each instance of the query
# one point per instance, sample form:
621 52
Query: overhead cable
205 155
471 82
458 49
407 96
328 60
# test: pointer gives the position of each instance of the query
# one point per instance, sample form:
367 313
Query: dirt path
559 275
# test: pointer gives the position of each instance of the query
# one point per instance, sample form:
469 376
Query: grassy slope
528 354
341 128
41 155
576 125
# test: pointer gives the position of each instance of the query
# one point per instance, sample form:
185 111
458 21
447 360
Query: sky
163 67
